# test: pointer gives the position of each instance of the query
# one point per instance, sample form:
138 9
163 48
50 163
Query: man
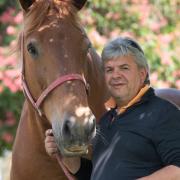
139 137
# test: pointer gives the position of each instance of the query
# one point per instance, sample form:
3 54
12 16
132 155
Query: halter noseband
59 81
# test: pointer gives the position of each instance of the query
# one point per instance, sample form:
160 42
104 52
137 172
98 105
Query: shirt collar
112 104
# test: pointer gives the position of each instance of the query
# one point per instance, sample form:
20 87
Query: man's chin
118 94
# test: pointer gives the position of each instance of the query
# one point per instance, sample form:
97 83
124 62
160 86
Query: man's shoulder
163 108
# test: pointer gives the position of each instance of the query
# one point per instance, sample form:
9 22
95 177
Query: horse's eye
32 50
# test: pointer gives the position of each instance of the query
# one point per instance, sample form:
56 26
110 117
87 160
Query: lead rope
65 170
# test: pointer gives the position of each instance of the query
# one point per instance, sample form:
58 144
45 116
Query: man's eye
108 70
125 68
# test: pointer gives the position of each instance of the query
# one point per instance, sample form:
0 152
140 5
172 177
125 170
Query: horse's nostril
91 126
78 131
67 128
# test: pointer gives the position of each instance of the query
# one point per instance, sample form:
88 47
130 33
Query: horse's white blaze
51 40
66 56
82 111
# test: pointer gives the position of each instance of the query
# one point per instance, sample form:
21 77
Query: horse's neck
36 125
98 92
29 158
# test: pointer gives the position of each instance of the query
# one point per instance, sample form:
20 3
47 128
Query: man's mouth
117 85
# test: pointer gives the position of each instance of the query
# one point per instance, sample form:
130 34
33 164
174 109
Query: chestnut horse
64 87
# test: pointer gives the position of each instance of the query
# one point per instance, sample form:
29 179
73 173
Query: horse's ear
79 3
25 4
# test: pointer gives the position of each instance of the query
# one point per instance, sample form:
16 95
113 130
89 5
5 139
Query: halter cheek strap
59 81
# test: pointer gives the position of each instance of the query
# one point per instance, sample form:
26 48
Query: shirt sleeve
167 136
84 173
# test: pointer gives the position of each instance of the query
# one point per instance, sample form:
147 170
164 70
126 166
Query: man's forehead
123 60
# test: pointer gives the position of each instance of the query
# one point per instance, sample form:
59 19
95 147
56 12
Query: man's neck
120 103
121 107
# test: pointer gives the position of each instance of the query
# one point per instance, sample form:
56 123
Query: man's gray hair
123 46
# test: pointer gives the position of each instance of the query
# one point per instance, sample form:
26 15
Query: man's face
123 78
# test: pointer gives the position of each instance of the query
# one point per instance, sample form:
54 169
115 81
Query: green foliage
10 108
11 97
8 10
154 24
111 15
4 4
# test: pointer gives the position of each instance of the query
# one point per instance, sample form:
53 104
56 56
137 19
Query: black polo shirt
137 142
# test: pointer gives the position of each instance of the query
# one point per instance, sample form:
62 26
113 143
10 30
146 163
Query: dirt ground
5 163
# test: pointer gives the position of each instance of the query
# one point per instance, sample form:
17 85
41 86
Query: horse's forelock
38 12
40 9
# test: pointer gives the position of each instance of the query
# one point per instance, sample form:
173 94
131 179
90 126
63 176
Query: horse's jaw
71 148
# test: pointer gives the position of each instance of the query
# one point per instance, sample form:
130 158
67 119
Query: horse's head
54 56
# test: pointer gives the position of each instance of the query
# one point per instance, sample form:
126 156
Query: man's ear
25 4
79 3
143 74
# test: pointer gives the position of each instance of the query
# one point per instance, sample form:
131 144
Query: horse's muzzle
72 136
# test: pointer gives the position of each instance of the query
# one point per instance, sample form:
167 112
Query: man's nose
116 73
